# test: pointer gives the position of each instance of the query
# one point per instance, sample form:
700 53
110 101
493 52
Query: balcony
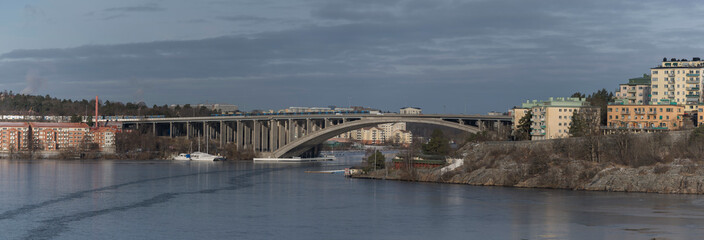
693 81
631 97
670 95
631 90
693 95
692 88
692 74
671 74
671 88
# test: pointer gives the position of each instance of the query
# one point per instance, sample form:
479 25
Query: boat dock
294 160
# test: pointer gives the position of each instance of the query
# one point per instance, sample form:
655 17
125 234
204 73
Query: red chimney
95 123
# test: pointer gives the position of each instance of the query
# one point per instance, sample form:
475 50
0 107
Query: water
46 199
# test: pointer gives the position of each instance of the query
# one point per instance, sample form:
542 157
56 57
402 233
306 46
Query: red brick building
14 136
104 137
57 136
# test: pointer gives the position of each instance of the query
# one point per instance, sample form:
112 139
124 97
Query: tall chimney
95 123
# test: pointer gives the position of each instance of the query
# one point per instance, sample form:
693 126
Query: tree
586 124
578 95
601 99
75 118
376 161
697 134
524 126
438 144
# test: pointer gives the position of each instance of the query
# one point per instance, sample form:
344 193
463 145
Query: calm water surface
46 199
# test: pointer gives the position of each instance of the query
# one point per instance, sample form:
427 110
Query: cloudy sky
443 55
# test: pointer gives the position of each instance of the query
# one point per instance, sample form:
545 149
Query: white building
410 110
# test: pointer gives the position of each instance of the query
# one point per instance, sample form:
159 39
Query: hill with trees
22 104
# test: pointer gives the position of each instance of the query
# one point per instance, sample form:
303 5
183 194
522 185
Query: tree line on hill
23 104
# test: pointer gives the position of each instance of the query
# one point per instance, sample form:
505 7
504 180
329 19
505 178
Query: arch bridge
295 135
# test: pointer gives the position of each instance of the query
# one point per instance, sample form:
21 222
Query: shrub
661 168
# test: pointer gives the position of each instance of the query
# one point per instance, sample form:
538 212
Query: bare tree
586 123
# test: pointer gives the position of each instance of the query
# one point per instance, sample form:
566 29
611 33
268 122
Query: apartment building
403 137
700 115
636 91
104 137
678 81
371 135
411 110
56 136
14 136
552 118
382 133
645 117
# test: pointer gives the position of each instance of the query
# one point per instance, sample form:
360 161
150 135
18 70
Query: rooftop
556 102
644 80
14 124
58 125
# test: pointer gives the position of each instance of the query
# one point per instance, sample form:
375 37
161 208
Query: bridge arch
305 143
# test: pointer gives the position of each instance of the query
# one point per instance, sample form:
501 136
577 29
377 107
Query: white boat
201 156
183 156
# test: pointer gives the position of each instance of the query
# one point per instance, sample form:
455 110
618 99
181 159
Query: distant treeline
22 104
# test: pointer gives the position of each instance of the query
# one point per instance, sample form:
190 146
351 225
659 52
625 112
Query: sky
445 56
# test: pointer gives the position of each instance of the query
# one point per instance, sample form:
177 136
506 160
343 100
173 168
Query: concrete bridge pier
188 130
291 128
246 136
239 135
255 136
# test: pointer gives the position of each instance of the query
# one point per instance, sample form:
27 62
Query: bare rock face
648 179
678 177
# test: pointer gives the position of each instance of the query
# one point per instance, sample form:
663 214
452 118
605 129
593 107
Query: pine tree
524 126
438 144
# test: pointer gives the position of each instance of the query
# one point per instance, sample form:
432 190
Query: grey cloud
32 11
488 54
148 7
110 17
354 11
242 18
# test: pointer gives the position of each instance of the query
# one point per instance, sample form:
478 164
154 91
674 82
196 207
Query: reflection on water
47 199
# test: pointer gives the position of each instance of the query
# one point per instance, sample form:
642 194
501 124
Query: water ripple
51 228
76 195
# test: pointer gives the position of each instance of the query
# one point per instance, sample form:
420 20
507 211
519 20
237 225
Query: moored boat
183 156
201 156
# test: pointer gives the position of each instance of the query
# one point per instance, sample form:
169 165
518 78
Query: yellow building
551 119
636 91
383 133
517 114
645 117
678 81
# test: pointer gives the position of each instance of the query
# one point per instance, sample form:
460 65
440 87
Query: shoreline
367 177
681 176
